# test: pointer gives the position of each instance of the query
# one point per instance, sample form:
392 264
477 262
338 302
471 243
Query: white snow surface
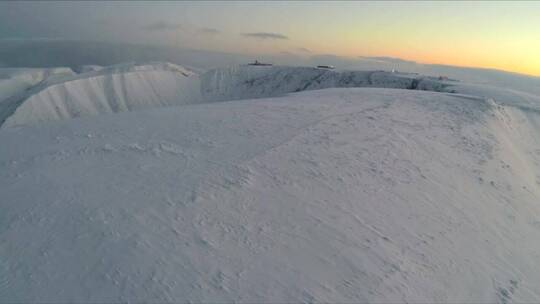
118 88
244 81
17 83
16 80
89 68
336 195
131 87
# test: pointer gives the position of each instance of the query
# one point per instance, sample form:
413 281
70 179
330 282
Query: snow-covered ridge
131 87
242 82
87 68
340 195
17 83
112 89
14 80
128 87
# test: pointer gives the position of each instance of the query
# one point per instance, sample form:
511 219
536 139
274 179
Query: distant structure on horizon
257 63
331 67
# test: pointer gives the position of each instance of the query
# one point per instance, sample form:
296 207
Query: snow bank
338 195
112 89
243 82
16 80
88 68
129 87
17 83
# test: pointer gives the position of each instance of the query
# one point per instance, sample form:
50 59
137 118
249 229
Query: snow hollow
131 87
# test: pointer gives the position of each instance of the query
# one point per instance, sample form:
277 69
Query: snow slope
337 195
88 68
241 82
131 87
16 80
16 83
505 96
117 88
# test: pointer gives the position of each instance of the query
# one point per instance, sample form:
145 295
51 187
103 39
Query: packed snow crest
360 187
105 90
131 87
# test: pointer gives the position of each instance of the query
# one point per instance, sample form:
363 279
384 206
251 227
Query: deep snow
131 87
241 82
336 195
61 94
118 88
16 82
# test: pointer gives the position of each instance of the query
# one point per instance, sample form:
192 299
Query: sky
488 34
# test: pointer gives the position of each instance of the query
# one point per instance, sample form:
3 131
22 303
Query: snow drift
242 82
16 80
131 87
17 83
338 195
107 90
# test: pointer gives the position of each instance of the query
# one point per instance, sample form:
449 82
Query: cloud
301 49
286 53
327 56
208 31
263 35
386 59
341 62
161 26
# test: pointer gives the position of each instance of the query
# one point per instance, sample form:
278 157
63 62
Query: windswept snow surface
112 89
16 80
338 195
17 83
132 87
243 82
88 68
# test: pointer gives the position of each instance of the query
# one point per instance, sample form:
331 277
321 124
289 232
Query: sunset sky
501 35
